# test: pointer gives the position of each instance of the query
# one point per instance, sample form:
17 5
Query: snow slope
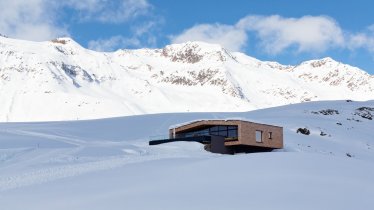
60 80
107 163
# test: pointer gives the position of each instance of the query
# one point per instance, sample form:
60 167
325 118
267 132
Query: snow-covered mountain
60 80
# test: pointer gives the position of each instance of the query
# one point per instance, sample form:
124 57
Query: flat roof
219 120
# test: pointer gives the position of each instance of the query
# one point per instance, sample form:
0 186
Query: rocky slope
60 80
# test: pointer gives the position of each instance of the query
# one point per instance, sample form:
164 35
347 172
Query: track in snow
53 173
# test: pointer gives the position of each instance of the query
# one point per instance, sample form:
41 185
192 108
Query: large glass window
230 131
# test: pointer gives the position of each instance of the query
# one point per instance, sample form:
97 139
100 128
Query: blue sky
287 31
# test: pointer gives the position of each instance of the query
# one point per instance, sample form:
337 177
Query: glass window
232 127
203 132
222 133
233 134
191 134
270 135
214 133
214 128
258 136
219 130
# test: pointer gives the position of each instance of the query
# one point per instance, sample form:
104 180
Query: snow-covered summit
193 52
61 80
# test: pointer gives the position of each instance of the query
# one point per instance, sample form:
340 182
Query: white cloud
30 19
307 34
119 11
142 35
41 20
109 11
89 6
274 33
230 37
358 40
112 43
362 40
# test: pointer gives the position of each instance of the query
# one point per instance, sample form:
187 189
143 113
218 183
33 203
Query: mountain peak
65 41
328 59
317 63
197 46
62 40
195 51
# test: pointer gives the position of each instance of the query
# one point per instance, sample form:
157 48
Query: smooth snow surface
107 164
60 80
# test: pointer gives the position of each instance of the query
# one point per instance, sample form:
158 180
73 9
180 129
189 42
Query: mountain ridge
61 80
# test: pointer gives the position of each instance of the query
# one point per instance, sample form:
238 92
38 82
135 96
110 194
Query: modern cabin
228 136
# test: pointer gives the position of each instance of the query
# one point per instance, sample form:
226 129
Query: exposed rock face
304 131
60 41
188 54
327 112
365 112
